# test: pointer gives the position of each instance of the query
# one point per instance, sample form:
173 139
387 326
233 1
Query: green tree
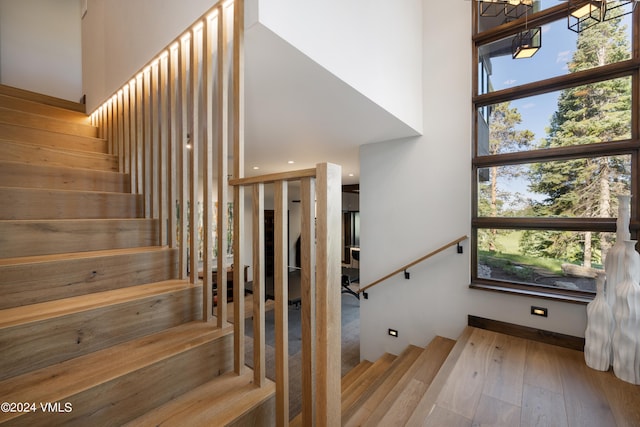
594 113
503 138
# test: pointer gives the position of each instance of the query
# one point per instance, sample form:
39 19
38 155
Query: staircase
95 327
390 390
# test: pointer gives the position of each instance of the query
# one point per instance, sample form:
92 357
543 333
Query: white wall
415 196
372 45
40 47
120 36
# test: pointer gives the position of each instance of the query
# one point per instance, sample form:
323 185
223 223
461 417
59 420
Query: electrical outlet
393 333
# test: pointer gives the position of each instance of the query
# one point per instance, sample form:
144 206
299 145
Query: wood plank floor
501 380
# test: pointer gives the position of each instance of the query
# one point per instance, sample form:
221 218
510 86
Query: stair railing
166 125
404 268
319 289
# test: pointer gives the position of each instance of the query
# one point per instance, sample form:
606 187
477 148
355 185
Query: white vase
597 347
614 262
626 338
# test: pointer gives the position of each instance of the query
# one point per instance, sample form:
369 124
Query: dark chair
345 286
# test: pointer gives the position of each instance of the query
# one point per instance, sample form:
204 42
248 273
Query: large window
556 141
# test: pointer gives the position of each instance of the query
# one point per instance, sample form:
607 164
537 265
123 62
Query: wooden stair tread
46 310
78 255
29 106
42 99
42 203
45 122
352 393
42 237
220 401
428 400
382 385
65 379
35 154
29 175
351 376
405 395
59 149
18 133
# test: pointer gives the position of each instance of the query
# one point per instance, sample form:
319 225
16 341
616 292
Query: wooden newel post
328 310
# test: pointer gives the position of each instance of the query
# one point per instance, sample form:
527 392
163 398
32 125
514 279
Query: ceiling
296 110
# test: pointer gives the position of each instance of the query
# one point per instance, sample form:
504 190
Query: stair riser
130 396
46 123
42 109
28 238
51 139
33 283
20 203
49 156
263 415
23 175
41 98
39 344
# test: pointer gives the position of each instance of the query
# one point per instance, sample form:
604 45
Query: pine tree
503 138
595 113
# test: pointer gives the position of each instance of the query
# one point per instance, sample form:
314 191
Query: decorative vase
614 262
626 339
597 348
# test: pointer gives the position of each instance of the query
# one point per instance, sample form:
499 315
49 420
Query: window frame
628 68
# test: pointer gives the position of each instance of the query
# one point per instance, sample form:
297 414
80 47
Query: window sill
532 291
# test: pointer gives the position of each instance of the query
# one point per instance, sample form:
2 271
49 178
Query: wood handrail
274 177
411 264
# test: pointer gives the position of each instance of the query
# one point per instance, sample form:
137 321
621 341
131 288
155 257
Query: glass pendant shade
526 43
584 15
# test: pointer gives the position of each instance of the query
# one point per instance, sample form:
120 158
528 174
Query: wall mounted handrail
411 264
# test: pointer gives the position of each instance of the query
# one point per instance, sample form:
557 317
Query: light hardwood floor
501 380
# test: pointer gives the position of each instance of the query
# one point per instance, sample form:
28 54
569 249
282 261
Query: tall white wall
372 45
120 36
415 196
40 47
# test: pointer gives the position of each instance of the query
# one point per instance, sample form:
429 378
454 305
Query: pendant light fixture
526 43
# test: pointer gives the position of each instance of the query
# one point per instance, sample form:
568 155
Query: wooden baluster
146 144
174 142
126 127
196 138
164 170
120 130
259 358
207 174
308 290
185 48
109 122
281 288
223 165
238 191
328 304
155 141
139 170
133 159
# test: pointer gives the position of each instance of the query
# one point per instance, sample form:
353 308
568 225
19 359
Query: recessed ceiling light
255 168
291 162
350 174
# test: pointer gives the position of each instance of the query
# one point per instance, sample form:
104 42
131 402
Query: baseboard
547 337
